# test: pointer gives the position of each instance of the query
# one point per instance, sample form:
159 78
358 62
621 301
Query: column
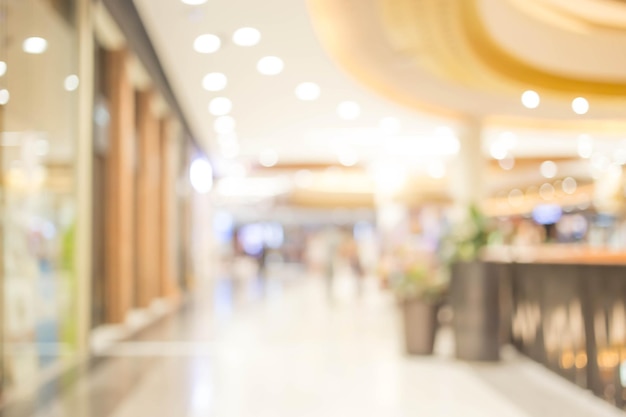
148 202
168 243
467 185
84 175
120 185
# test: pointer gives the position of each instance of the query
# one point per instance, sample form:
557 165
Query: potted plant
419 289
474 290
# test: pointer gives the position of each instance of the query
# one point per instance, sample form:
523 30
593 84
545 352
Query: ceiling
425 67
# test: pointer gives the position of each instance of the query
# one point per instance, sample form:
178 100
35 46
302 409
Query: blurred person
351 255
333 243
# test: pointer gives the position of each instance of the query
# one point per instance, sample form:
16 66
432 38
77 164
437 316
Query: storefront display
39 125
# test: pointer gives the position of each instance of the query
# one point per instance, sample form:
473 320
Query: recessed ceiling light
507 163
246 37
308 91
194 2
546 191
71 82
207 43
390 125
35 45
548 169
530 99
224 125
3 68
268 158
348 110
569 185
270 65
214 81
580 105
4 96
220 106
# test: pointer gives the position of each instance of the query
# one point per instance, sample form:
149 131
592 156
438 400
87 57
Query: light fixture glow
507 163
268 158
220 106
530 99
71 82
224 125
270 65
437 169
348 158
585 146
214 81
35 45
498 150
3 68
308 91
246 37
230 150
580 105
619 157
4 96
569 185
201 175
390 125
548 169
207 44
348 110
508 140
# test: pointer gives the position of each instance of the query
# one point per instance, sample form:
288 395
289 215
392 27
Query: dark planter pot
474 295
420 325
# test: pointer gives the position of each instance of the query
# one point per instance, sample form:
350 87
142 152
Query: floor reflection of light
201 400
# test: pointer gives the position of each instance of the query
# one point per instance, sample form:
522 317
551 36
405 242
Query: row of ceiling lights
269 65
531 100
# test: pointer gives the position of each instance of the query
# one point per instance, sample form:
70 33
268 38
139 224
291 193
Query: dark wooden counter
571 317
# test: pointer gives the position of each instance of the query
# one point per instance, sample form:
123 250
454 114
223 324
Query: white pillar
468 175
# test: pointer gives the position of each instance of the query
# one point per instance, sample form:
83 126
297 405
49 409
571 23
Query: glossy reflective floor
289 347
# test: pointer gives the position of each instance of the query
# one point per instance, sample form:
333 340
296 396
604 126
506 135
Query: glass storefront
38 120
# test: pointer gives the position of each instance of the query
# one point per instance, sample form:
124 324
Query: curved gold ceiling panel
449 38
587 15
503 62
436 56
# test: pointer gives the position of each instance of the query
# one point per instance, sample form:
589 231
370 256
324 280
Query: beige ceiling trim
107 32
503 62
590 126
139 77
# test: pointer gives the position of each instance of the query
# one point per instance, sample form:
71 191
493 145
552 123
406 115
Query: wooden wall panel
167 242
119 204
148 200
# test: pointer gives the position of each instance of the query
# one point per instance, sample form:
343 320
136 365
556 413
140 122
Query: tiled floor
289 350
